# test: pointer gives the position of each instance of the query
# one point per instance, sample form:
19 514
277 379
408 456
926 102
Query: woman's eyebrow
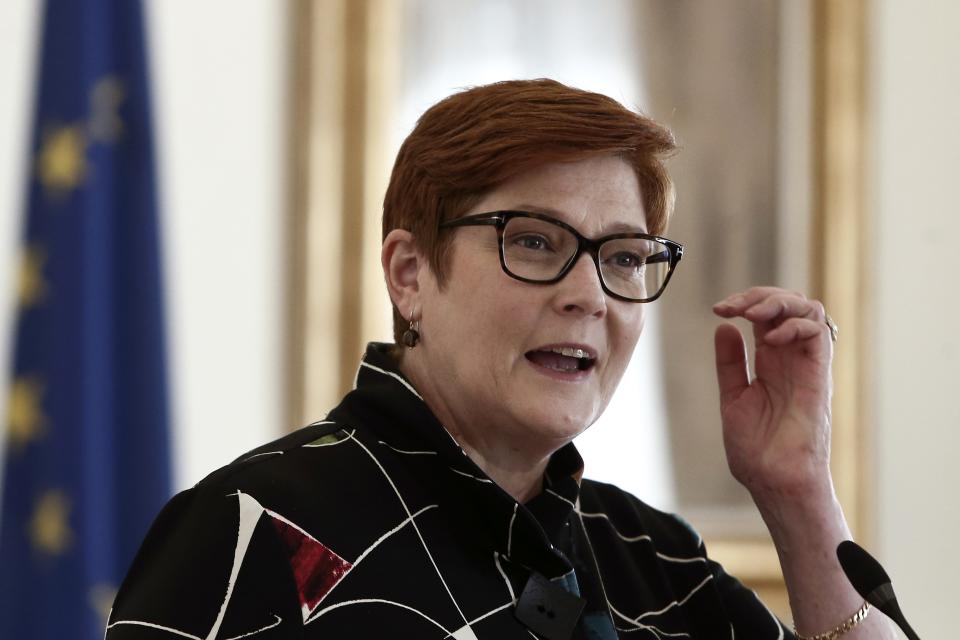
538 209
614 227
624 227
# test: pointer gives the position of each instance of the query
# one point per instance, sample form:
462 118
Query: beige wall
916 267
219 94
17 35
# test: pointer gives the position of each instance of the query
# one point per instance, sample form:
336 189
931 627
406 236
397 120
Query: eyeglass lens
534 249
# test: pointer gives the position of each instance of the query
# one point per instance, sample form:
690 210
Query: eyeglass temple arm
470 221
663 256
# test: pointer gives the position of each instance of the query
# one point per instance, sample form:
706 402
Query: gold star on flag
25 419
62 164
31 286
49 530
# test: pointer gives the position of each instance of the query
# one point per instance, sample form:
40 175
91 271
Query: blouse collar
523 533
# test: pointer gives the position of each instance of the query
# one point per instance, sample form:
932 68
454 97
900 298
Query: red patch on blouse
316 569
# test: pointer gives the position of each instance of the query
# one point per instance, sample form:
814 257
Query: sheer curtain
452 45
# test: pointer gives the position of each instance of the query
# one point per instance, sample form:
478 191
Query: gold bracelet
845 626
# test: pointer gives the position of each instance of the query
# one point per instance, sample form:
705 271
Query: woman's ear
402 263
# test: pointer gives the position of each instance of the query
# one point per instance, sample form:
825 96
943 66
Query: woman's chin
554 426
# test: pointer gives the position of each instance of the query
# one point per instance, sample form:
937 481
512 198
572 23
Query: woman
443 497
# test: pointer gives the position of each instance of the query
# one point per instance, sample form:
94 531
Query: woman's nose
580 290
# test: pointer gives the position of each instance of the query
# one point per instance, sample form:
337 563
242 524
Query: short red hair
471 142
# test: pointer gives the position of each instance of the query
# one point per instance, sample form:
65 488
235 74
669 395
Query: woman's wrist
799 504
806 528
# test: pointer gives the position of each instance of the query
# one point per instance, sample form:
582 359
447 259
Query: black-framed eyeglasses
539 249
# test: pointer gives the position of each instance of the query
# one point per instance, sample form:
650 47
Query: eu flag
86 458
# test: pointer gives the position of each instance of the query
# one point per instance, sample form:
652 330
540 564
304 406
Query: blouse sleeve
749 617
210 567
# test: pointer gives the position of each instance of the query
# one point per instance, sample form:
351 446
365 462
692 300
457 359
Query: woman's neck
519 475
517 467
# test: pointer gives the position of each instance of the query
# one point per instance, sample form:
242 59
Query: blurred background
818 145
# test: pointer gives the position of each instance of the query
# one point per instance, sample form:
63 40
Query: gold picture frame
343 71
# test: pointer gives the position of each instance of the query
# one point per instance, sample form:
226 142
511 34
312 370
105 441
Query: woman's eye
628 260
535 243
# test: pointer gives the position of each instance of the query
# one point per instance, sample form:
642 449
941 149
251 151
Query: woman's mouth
568 362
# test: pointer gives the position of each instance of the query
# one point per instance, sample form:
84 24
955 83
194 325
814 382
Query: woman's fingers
733 374
796 330
768 304
779 317
737 303
782 306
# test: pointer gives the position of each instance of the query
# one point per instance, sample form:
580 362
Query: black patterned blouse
374 524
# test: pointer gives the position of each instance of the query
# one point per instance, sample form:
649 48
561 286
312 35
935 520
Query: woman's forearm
806 532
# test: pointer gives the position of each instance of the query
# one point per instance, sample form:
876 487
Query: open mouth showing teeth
564 359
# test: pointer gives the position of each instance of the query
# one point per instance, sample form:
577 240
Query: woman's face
490 341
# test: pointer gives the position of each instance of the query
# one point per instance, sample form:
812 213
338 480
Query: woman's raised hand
776 427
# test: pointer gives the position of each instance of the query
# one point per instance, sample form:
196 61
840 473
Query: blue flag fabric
86 458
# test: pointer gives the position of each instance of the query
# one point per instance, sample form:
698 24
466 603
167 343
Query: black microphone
872 582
